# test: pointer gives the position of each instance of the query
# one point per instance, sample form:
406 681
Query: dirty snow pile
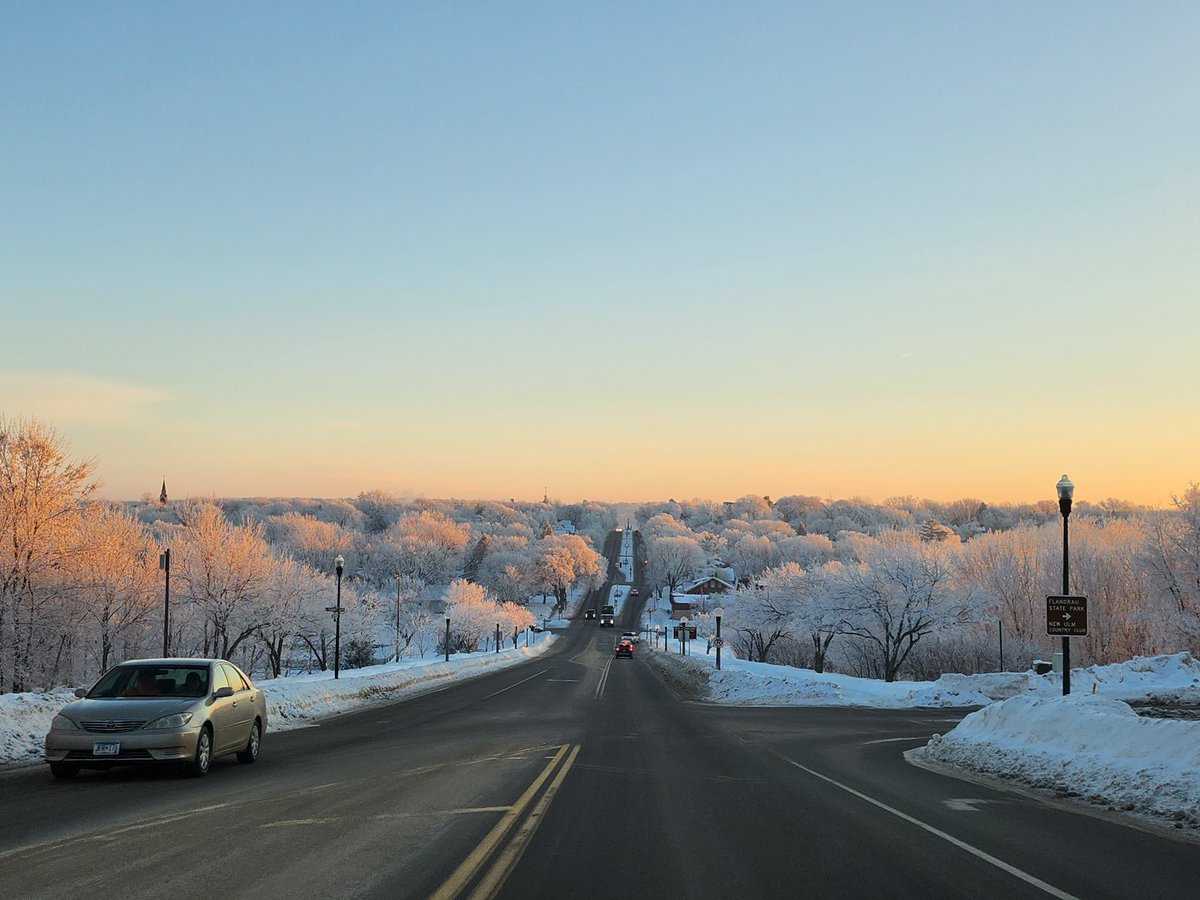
1083 746
292 702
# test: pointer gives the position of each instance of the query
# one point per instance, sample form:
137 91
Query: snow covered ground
1090 745
1085 746
294 702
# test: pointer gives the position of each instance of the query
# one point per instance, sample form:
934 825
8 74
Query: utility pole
164 563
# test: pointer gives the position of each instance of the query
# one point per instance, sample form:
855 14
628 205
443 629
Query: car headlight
176 720
62 723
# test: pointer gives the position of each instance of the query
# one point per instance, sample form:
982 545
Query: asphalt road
574 775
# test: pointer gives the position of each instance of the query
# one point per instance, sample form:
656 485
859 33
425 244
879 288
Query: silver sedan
182 711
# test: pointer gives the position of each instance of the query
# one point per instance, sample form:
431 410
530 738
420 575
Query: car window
219 680
152 681
234 678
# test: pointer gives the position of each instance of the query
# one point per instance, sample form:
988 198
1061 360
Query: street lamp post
446 643
399 577
497 637
1066 493
718 612
339 564
683 636
164 563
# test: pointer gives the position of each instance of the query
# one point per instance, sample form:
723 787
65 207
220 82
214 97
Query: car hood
139 708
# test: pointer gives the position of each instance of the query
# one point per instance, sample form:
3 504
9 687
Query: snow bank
762 684
1084 746
293 702
24 721
1166 679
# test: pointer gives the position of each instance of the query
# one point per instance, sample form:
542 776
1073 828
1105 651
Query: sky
617 251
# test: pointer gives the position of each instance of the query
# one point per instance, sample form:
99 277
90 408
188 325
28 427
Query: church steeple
162 497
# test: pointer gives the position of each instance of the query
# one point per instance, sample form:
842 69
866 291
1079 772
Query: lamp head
718 612
1066 493
339 563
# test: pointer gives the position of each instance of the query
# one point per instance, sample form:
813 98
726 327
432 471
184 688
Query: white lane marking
603 679
562 681
937 832
922 737
965 804
518 684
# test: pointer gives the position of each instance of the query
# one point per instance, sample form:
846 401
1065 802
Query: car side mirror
223 692
80 692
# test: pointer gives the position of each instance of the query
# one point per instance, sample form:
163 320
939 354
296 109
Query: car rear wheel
250 754
63 771
198 767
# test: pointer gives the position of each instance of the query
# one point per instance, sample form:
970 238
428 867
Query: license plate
106 748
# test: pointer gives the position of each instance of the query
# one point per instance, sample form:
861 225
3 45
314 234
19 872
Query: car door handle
234 703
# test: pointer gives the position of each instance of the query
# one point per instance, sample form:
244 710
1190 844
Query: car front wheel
198 767
250 754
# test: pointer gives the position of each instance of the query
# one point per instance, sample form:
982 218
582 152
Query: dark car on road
606 620
635 593
589 614
624 648
153 711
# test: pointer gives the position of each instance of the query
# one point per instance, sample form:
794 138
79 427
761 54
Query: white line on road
937 832
603 679
921 737
518 684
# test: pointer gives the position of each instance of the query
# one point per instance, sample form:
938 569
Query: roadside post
339 565
1066 493
718 612
164 563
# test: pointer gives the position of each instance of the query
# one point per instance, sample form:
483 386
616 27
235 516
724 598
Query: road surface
574 775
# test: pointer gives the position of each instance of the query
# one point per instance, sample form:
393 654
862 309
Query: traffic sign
1066 615
718 642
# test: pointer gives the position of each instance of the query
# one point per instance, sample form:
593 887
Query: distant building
709 584
162 497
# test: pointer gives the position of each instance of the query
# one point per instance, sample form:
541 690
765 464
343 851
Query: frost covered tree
673 559
42 493
901 590
221 570
1172 558
562 561
805 600
115 565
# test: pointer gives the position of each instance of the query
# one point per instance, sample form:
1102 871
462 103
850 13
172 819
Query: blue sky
620 251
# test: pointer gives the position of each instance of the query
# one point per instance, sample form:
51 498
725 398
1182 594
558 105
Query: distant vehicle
589 614
144 711
608 611
606 620
624 648
630 636
634 592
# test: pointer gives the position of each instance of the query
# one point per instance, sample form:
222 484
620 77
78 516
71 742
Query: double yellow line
506 859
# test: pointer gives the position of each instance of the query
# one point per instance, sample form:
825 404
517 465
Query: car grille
124 754
113 726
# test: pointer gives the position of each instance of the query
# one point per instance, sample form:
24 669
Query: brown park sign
1066 615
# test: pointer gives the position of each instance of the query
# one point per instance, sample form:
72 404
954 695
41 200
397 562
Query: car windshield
152 681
